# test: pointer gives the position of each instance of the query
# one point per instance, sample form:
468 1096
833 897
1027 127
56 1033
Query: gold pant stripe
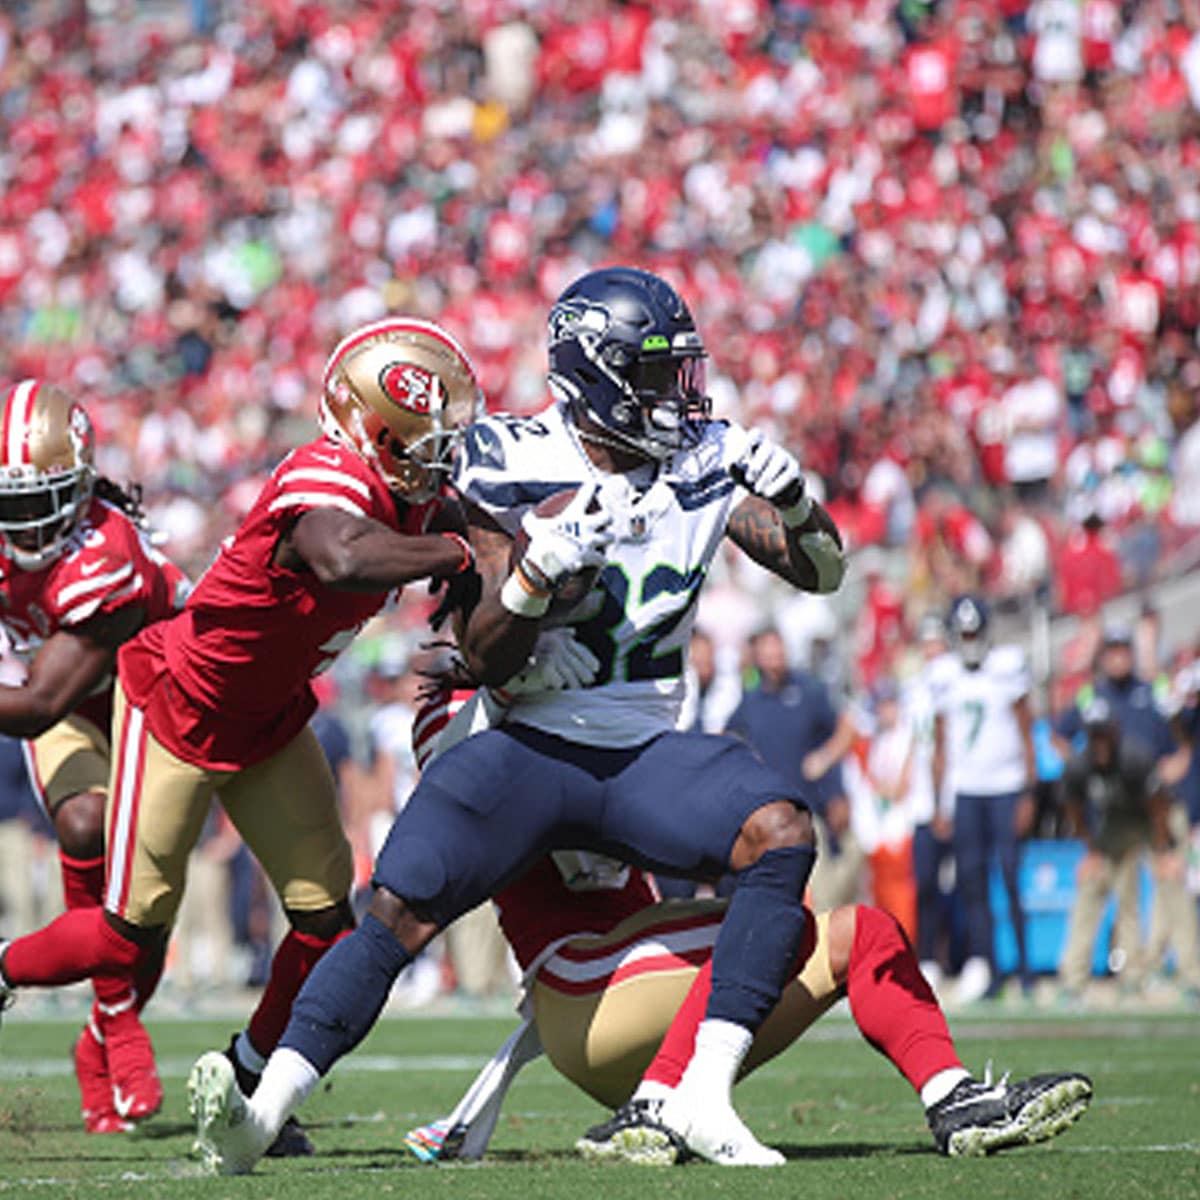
285 809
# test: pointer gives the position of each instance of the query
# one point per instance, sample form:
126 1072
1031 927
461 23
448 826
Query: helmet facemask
399 393
661 403
46 473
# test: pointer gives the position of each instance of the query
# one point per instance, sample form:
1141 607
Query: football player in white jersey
983 752
656 487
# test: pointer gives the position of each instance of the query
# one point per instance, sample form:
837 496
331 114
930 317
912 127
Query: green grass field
848 1124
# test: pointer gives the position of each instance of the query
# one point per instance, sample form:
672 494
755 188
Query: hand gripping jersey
109 565
227 682
638 618
983 740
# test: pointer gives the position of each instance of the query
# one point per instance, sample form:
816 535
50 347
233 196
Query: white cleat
228 1138
716 1133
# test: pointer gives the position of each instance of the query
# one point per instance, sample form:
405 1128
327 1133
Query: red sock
77 945
894 1006
680 1039
147 974
297 954
83 881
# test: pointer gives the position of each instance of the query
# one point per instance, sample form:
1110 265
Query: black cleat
979 1117
290 1142
633 1134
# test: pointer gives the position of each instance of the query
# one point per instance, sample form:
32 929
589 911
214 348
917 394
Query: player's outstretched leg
980 1117
754 957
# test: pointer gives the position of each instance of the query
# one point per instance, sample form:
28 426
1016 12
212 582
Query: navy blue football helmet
624 350
968 623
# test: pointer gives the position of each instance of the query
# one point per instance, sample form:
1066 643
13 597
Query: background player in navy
600 767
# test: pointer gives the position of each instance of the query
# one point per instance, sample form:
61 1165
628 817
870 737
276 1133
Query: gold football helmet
399 392
46 472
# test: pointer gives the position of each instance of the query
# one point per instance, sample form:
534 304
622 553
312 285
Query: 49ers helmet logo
408 386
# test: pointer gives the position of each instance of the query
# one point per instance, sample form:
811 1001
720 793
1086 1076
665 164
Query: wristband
827 558
797 513
468 559
521 599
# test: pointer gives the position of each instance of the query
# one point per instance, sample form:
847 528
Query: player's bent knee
79 825
780 825
410 930
323 923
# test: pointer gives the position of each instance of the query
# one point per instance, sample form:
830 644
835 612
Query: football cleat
95 1085
438 1141
713 1131
8 994
137 1090
228 1138
633 1134
291 1141
979 1117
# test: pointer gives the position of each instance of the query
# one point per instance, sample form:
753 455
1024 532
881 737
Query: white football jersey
984 752
637 620
918 703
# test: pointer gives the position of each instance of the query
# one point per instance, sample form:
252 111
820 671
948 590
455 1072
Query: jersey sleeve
103 575
322 475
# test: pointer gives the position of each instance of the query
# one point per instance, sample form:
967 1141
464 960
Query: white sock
651 1089
720 1048
246 1054
938 1087
286 1082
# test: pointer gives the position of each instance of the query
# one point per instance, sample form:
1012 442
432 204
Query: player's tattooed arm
495 642
805 555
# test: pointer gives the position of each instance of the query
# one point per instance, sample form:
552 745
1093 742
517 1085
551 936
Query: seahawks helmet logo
571 318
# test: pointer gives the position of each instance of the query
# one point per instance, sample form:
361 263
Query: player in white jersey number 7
658 486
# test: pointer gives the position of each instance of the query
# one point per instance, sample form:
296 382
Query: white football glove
558 662
766 469
575 539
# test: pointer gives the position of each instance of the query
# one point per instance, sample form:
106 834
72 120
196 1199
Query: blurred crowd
949 252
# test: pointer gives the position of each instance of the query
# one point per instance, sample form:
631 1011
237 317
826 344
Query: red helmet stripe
393 325
17 414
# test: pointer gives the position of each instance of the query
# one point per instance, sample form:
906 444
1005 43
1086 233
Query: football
577 586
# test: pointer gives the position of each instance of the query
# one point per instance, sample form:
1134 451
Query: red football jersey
227 682
109 564
539 908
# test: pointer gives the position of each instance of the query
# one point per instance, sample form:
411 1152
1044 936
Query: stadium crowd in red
949 251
